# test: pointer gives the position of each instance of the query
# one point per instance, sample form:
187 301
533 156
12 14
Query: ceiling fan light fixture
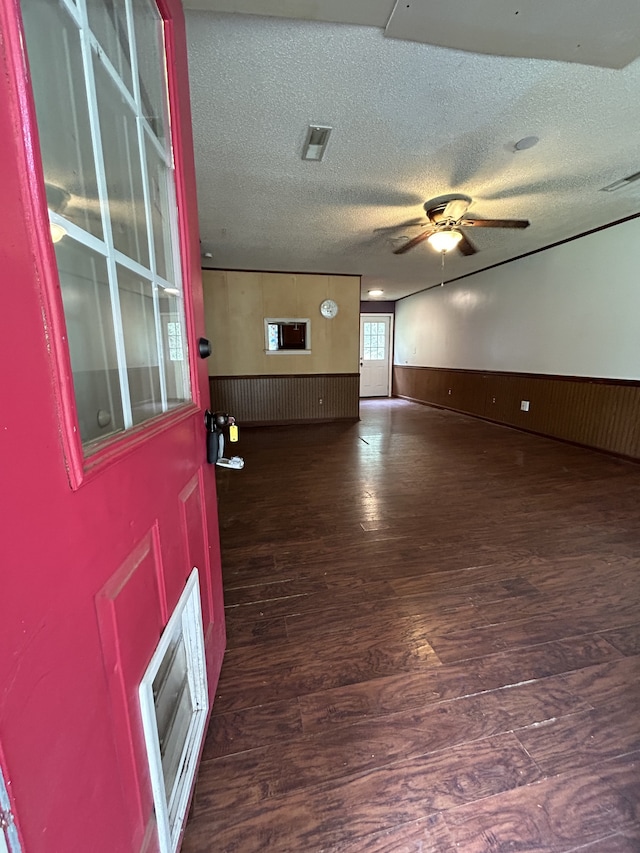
444 240
316 142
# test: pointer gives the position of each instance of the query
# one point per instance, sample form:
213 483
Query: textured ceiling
410 122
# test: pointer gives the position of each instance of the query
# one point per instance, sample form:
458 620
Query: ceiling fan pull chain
442 282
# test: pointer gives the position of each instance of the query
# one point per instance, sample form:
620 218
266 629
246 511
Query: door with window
375 358
109 503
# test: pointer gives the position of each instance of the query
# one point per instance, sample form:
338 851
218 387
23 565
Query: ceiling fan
445 218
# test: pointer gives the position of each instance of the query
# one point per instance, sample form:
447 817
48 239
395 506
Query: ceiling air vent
622 183
316 142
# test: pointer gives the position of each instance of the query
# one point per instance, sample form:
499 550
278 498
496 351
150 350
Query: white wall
571 310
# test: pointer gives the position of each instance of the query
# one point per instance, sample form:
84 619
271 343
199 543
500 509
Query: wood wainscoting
291 398
600 413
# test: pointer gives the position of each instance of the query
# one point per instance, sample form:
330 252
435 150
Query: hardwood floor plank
253 675
429 835
627 640
555 815
346 811
476 642
410 690
245 632
250 728
306 602
272 590
621 842
617 681
376 743
420 612
583 739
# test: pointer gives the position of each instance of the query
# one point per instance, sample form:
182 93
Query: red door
108 502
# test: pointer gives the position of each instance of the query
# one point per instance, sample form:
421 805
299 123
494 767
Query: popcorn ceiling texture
410 122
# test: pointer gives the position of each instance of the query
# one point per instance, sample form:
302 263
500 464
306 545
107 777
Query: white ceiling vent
622 183
316 142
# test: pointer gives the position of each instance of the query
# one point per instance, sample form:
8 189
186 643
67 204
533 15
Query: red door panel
95 553
127 631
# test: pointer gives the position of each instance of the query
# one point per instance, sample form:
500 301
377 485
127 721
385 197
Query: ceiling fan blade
456 208
466 246
419 239
496 223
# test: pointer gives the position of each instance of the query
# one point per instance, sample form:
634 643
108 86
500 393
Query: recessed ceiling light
316 142
526 142
376 292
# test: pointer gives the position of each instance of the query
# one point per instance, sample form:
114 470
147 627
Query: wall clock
329 309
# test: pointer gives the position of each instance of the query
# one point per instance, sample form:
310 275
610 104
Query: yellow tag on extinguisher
233 433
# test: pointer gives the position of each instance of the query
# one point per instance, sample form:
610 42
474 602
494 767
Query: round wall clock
329 309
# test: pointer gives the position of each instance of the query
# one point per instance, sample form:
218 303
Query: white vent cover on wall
174 705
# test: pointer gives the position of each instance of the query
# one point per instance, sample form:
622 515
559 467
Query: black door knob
204 348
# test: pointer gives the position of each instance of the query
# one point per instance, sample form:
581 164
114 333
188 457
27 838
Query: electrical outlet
449 390
493 399
524 405
321 401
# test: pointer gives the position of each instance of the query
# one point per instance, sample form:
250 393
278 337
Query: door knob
204 348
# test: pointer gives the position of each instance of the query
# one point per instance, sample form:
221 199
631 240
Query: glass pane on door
90 329
174 348
151 65
140 344
123 169
57 77
374 341
161 196
108 22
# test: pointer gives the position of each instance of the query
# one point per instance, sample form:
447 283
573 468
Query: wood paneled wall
598 413
297 398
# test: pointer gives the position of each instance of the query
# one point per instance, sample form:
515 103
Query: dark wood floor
434 643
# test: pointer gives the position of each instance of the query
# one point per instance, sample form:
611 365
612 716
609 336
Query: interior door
375 357
109 502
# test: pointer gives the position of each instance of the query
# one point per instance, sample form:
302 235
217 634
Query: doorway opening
375 354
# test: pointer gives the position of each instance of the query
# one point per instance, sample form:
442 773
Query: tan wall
236 304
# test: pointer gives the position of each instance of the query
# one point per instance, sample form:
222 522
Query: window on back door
374 340
99 84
